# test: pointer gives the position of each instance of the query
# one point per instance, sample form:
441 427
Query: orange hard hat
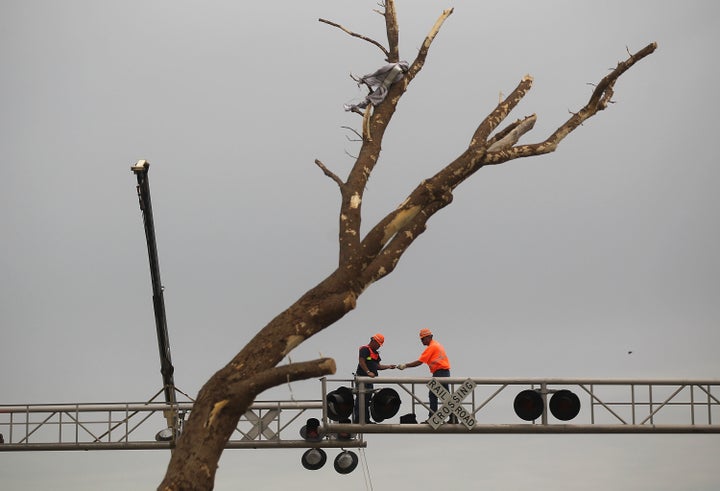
379 338
425 332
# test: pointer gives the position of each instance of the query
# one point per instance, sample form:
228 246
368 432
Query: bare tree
362 260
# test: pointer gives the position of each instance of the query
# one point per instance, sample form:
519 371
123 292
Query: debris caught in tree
379 82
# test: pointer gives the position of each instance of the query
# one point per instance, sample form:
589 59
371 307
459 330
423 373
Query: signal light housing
164 435
344 435
346 462
385 404
529 405
311 432
564 405
340 403
313 459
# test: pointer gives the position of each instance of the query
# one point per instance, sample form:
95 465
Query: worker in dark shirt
368 366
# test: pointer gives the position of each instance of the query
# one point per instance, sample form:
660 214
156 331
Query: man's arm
363 365
410 364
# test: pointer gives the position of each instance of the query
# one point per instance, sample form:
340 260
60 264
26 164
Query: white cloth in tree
379 82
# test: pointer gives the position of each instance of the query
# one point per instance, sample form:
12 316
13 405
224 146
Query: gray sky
554 266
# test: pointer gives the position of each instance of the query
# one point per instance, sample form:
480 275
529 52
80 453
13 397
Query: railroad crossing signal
452 403
340 403
384 404
530 404
564 405
313 459
312 432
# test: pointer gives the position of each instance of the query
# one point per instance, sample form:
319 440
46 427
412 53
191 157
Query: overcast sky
554 266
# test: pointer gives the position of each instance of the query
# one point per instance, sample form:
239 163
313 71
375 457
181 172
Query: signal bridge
537 405
531 405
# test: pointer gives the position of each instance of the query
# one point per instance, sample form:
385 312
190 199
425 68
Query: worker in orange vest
436 358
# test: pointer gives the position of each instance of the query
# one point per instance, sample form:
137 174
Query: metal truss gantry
607 406
143 426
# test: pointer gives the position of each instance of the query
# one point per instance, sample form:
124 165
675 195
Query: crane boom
166 367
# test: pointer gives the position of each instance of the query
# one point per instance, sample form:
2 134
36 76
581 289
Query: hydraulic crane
167 370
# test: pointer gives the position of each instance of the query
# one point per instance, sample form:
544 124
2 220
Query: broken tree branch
375 121
284 373
501 111
512 136
422 53
393 33
598 101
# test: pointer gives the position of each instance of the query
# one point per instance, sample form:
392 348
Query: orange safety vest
435 357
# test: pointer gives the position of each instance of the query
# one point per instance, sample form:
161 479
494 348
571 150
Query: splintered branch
377 119
599 100
500 112
422 53
366 134
389 238
384 263
512 136
427 198
353 252
389 226
393 33
356 35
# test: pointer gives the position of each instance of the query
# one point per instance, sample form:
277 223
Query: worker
368 366
436 358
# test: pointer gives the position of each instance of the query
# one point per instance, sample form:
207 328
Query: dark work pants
433 397
368 394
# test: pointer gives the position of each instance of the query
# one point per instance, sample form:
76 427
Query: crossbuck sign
452 403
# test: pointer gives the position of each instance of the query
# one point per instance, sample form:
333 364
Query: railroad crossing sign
452 403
